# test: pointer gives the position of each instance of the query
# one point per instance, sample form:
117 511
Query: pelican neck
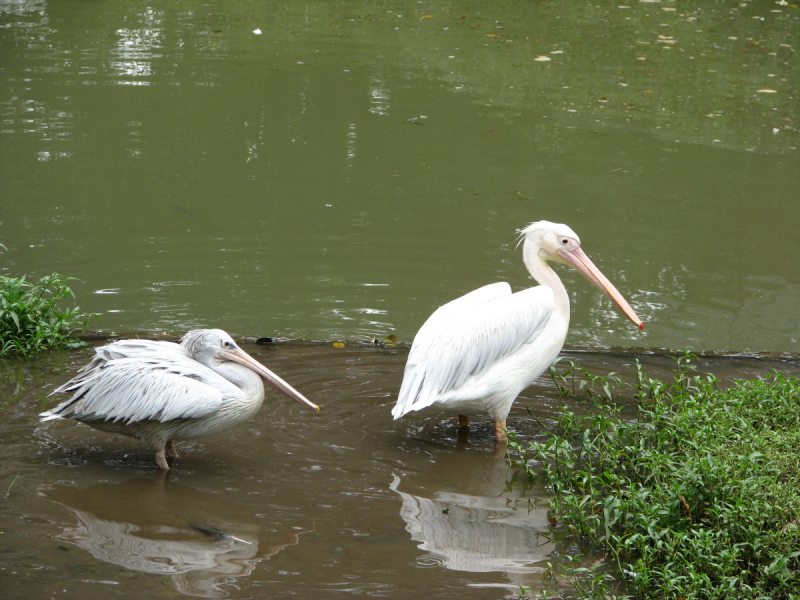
544 274
245 379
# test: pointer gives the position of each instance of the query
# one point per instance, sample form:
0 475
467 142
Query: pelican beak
243 358
578 259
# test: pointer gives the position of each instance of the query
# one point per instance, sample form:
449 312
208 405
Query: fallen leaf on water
338 345
390 338
767 91
542 58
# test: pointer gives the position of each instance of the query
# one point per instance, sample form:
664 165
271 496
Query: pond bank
698 496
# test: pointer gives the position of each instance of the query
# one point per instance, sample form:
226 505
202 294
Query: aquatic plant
30 318
696 496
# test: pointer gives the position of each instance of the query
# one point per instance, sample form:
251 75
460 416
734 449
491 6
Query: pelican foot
161 460
500 431
500 450
463 431
161 476
462 441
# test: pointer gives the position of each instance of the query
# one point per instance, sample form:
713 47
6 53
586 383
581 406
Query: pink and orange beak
578 259
243 358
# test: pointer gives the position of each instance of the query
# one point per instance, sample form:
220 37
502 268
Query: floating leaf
390 338
767 91
338 345
542 58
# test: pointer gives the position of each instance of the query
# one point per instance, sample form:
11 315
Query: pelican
161 392
477 353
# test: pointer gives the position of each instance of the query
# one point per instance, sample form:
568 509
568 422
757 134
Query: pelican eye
565 241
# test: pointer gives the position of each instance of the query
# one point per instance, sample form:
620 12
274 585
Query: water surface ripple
289 504
352 166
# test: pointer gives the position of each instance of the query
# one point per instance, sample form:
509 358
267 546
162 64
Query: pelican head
214 347
556 242
208 343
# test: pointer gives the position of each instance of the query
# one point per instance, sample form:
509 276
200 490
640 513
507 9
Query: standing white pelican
160 392
477 353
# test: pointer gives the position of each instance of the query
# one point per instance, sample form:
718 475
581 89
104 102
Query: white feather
461 342
139 380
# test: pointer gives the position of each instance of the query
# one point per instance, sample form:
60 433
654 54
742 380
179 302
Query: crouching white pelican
161 392
477 353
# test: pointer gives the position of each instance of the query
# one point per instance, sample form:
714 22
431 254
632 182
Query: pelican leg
171 451
463 431
161 459
499 431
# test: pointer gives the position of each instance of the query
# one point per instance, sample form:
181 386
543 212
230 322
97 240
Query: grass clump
30 318
697 496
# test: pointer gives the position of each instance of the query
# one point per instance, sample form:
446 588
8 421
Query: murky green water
358 164
339 175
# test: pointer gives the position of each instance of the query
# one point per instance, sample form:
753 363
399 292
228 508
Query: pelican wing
135 380
467 336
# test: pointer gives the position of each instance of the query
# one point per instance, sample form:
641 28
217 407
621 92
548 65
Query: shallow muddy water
291 504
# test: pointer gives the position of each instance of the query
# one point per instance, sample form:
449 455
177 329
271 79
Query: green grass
696 496
30 317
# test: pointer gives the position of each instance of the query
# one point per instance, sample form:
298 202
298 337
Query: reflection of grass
30 319
697 497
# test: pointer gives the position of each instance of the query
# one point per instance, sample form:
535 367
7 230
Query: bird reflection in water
158 527
488 525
